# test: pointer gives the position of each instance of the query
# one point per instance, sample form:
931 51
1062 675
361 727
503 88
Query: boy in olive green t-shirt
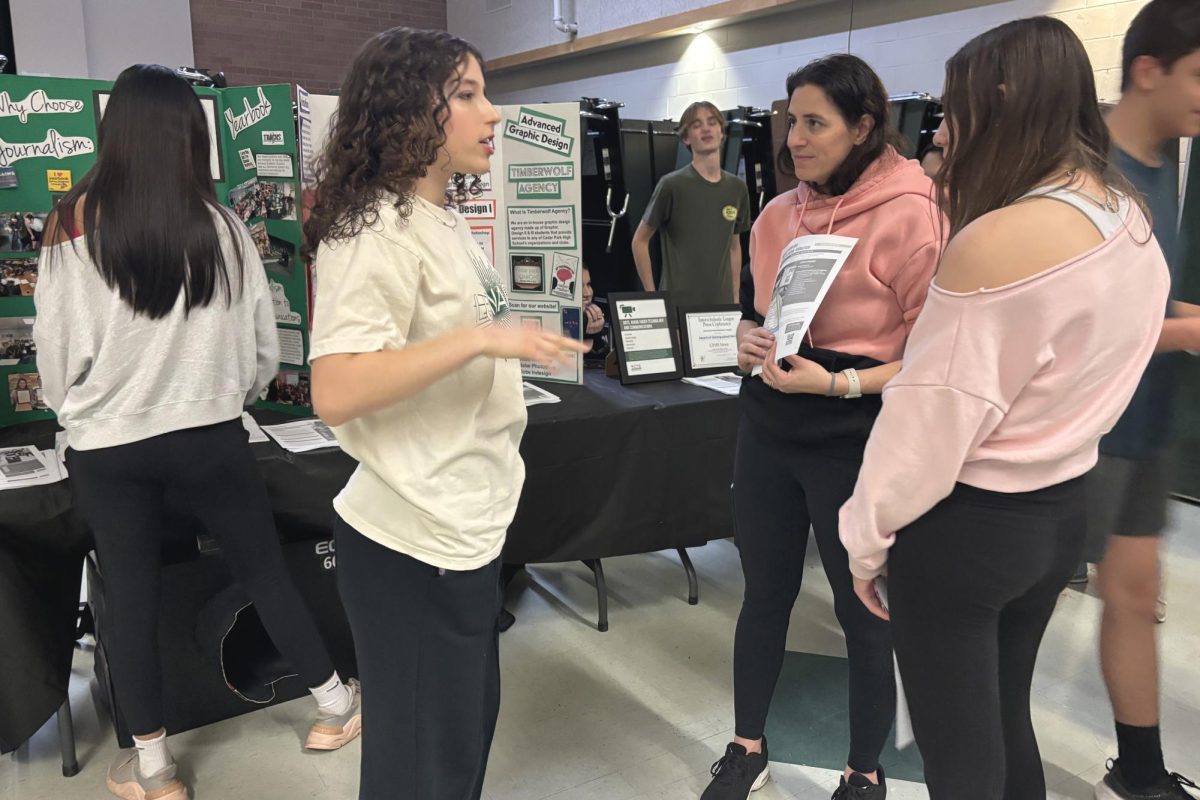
700 211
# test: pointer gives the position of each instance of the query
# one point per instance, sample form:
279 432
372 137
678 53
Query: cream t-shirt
439 473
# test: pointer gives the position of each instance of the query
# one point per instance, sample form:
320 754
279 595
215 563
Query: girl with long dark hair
154 329
805 422
1043 316
416 363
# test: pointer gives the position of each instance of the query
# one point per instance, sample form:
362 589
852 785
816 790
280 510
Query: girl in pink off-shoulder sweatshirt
805 421
1044 313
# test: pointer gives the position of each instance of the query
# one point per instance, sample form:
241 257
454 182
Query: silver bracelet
832 384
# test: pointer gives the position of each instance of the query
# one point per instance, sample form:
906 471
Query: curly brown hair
387 131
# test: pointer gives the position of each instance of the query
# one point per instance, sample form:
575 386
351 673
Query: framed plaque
708 338
645 336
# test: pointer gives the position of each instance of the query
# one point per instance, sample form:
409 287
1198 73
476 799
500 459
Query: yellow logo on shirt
729 213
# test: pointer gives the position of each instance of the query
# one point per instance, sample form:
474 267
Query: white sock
332 695
153 754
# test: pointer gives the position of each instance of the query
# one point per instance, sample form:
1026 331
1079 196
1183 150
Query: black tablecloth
42 546
611 470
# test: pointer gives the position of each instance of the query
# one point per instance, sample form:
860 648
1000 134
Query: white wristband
855 384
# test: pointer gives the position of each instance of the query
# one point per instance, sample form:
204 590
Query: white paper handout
27 466
724 382
251 426
535 395
302 436
807 269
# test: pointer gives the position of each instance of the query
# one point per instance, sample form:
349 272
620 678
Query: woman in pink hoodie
805 421
1045 311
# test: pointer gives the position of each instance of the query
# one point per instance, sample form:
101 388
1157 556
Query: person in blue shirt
1127 491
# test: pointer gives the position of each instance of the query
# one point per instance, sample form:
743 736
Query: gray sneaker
333 731
125 780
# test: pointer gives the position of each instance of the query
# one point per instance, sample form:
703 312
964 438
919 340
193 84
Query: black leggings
972 586
120 491
780 489
428 658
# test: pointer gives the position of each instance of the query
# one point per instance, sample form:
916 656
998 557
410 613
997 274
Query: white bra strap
1107 222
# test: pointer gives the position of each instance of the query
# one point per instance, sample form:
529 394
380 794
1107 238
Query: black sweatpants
428 659
780 489
972 586
120 491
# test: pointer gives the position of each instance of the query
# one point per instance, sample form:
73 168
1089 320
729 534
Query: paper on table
60 449
807 269
535 395
26 466
302 436
251 426
56 468
724 382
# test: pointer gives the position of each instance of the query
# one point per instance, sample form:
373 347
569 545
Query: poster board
527 222
262 186
48 140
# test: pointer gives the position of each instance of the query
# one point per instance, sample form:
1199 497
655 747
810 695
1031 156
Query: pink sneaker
334 731
125 780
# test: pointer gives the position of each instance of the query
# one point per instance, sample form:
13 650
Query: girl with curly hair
417 367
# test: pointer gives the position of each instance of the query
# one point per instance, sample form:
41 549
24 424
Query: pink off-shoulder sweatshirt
1009 389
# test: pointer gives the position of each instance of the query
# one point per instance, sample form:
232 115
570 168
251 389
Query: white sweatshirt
114 377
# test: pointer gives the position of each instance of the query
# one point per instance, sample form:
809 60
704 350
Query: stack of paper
535 395
302 436
60 451
28 466
725 382
251 426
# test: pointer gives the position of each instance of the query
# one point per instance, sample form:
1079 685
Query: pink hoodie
1009 389
877 296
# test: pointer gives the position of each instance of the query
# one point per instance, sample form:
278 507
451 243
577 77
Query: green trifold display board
48 141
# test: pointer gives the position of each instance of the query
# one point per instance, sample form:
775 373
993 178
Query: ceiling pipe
561 23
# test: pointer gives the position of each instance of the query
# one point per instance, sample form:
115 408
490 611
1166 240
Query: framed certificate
646 339
708 335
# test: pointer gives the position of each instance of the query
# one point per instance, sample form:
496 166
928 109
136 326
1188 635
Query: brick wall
309 42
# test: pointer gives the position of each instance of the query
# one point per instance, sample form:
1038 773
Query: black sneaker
1170 787
1081 575
738 774
859 788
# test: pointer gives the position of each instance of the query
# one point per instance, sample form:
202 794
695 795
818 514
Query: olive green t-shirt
696 222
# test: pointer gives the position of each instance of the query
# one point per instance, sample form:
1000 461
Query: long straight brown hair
1021 110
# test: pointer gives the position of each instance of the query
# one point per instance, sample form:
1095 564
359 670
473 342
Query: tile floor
642 711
